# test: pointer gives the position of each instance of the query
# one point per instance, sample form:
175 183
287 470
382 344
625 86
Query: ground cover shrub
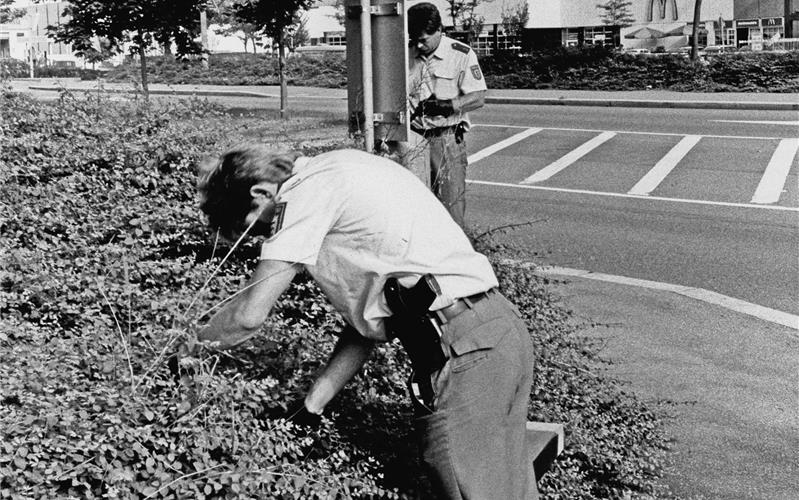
588 68
601 69
14 68
103 253
239 69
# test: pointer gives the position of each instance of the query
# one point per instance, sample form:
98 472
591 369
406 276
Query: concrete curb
535 101
224 93
642 103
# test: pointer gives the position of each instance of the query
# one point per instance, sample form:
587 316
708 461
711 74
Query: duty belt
434 132
447 314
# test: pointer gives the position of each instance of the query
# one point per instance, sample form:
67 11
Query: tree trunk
143 62
281 65
695 34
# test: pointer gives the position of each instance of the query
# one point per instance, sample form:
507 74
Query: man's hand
297 413
433 106
300 415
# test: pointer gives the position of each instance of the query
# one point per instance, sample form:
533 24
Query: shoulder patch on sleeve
277 219
476 72
461 47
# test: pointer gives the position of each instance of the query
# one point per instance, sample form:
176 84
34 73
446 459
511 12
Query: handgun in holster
412 324
460 130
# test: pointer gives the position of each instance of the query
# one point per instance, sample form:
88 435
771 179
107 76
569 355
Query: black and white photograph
399 249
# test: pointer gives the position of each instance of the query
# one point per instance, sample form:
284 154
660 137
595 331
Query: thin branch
121 335
216 242
231 297
215 271
508 226
181 478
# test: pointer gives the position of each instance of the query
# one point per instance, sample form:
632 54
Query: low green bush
103 253
239 69
14 68
601 69
590 68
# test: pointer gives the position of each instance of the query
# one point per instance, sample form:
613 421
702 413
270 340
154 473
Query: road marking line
760 122
633 132
625 195
773 181
570 157
502 145
765 313
654 177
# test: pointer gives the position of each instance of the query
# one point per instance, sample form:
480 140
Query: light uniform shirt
355 219
450 71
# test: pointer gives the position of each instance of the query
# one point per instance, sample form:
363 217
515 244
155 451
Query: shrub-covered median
566 68
103 251
591 68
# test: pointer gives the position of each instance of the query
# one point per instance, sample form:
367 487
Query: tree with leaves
134 25
514 18
616 13
464 16
223 14
276 20
471 22
9 13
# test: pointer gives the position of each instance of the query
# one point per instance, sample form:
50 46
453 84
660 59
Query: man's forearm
243 316
469 102
351 352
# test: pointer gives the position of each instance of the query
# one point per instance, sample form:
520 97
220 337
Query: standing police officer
445 83
392 261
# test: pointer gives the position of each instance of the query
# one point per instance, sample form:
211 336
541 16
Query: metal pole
366 64
204 36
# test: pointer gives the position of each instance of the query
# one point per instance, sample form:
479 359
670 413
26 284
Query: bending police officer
392 261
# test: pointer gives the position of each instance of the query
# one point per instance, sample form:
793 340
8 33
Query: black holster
412 324
460 130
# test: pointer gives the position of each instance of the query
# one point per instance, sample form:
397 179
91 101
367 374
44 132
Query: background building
658 25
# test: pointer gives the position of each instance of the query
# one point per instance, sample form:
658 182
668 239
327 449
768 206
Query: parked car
714 50
636 51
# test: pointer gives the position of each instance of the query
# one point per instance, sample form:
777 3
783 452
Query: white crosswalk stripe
654 177
502 144
773 180
713 173
569 158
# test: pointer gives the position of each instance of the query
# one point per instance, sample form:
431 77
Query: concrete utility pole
204 36
377 72
366 76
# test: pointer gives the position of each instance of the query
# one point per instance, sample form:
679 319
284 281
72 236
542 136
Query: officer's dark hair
224 183
423 18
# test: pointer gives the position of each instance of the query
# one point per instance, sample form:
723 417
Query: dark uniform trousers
472 429
448 161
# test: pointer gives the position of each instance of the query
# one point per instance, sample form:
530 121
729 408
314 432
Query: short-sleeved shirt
354 219
450 71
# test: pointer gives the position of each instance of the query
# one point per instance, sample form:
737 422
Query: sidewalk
721 377
638 98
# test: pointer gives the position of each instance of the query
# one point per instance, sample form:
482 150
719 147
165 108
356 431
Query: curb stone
535 101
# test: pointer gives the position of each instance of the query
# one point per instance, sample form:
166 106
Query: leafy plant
102 254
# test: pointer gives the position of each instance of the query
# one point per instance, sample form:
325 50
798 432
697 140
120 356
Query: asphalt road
726 379
697 227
